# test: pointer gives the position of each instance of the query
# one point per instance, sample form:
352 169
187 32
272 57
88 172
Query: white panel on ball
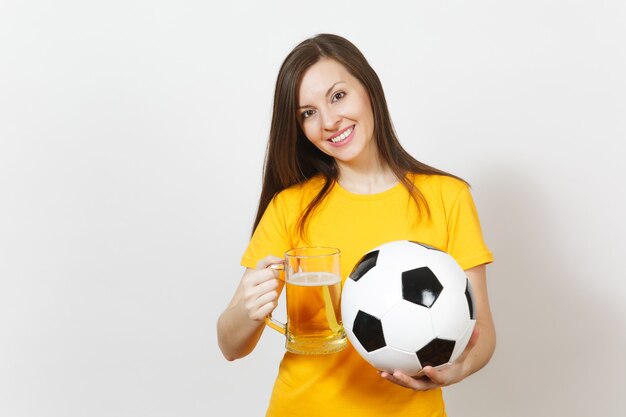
390 360
407 326
399 256
376 292
450 314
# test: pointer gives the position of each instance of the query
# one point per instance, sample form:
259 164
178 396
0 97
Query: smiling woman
336 175
342 115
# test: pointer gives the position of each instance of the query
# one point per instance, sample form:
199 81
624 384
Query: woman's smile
342 138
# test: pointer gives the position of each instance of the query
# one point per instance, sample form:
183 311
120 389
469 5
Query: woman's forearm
482 352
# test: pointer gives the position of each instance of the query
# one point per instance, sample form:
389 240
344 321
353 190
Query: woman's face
335 113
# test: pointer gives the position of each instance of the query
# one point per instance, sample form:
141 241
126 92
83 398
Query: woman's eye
338 96
307 113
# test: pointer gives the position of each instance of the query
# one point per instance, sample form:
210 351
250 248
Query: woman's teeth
342 136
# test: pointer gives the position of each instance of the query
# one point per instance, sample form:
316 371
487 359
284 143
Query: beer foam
314 279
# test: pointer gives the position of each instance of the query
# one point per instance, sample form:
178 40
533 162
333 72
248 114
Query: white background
132 140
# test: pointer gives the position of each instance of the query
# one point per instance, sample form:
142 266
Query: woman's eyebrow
327 93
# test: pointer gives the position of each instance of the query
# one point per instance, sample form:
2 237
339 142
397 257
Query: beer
314 313
313 293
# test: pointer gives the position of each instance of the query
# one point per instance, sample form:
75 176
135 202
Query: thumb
268 261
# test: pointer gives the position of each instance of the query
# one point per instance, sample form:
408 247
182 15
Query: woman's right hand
260 288
240 326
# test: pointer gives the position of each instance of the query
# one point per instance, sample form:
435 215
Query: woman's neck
366 180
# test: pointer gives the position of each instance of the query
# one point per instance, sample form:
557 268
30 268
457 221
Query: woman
336 175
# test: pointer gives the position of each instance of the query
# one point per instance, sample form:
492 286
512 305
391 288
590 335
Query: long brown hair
292 159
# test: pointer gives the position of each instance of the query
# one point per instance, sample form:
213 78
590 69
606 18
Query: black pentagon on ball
369 331
421 286
436 352
425 245
367 262
470 299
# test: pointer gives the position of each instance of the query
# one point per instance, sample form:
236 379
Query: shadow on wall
559 342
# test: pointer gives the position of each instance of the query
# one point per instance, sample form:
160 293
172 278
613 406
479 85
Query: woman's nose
330 120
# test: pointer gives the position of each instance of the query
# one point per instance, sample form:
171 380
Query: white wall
132 136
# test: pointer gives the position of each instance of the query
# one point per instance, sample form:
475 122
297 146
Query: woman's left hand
429 377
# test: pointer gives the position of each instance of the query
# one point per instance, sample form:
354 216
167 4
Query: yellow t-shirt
344 384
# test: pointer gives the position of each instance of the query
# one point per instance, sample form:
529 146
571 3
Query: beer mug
313 282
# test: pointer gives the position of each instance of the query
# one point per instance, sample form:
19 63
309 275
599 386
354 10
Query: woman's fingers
269 260
422 383
261 289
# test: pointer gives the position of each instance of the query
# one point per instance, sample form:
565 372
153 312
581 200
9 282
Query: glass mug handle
271 322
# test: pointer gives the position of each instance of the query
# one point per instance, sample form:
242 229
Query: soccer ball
407 305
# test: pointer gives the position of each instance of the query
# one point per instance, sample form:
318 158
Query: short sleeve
465 238
270 236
